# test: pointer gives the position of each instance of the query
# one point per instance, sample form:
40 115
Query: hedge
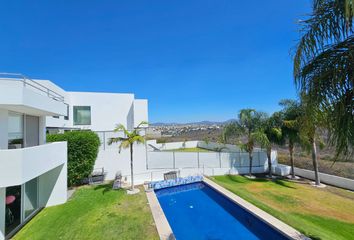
82 153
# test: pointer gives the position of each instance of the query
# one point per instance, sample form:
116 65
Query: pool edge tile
163 227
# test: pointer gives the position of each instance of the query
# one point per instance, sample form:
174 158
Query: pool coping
163 227
273 222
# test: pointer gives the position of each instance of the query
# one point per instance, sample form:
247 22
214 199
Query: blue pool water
196 211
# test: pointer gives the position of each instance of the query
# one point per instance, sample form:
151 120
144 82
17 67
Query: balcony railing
28 82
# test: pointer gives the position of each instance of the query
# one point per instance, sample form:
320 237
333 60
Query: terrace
114 213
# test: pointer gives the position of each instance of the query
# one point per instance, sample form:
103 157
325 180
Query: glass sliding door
15 130
12 208
32 131
30 199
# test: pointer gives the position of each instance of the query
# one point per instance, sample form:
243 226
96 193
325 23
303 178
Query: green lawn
326 213
95 212
196 149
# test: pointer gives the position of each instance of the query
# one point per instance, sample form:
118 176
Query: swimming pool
197 211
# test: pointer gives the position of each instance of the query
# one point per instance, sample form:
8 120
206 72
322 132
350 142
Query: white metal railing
105 136
28 82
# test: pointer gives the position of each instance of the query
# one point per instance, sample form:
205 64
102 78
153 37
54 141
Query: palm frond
115 140
142 123
261 138
121 127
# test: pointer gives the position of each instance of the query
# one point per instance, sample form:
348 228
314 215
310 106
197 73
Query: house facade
33 174
101 112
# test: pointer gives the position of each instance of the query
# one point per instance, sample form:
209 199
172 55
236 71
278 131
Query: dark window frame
81 124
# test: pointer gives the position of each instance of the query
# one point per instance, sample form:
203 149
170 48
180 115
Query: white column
2 213
42 130
4 118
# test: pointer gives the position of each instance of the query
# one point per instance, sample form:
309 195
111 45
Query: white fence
326 178
175 160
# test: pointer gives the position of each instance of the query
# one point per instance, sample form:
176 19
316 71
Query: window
82 115
12 208
30 197
15 130
67 112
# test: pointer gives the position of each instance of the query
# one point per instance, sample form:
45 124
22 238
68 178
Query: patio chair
117 180
170 175
97 176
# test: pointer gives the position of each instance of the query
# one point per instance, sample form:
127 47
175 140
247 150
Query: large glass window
31 197
12 208
82 115
15 130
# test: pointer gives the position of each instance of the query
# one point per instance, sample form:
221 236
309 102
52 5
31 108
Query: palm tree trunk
315 163
291 152
251 160
269 153
131 167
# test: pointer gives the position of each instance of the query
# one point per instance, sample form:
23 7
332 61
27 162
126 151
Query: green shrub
82 153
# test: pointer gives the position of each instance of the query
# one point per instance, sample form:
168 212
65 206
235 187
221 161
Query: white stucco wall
113 161
140 111
326 178
18 166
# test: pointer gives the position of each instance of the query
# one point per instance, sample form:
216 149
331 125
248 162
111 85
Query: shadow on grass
282 183
106 188
244 179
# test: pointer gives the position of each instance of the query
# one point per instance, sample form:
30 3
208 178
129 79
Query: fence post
104 140
220 159
174 160
198 159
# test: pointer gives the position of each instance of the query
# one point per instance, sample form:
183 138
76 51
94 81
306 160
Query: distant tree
249 124
128 141
206 140
309 123
292 111
272 135
301 123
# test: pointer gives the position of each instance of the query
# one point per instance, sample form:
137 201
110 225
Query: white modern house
33 174
101 112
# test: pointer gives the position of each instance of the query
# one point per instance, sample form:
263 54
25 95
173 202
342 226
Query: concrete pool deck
163 227
165 231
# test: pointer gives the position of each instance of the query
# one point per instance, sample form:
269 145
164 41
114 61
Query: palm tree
292 112
323 68
248 124
130 137
273 134
310 121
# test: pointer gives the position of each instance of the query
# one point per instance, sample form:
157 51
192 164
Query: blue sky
192 59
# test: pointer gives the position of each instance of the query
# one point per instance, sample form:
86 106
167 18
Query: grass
95 212
196 149
318 213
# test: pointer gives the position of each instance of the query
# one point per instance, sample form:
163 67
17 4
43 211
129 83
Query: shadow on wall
47 183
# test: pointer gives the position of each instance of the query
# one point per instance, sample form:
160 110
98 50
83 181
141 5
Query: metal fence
176 160
28 82
105 136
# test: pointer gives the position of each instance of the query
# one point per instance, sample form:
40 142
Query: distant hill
205 123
